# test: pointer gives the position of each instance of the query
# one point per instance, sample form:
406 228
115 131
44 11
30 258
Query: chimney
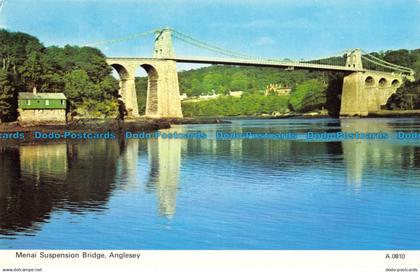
34 90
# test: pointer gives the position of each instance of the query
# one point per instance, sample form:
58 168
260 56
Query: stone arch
395 83
162 98
124 76
382 82
127 88
121 70
369 81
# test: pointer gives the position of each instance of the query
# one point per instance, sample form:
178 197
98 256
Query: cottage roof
41 96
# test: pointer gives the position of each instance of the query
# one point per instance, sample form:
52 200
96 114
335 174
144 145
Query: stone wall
42 115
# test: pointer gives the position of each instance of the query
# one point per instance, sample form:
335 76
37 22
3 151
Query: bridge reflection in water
165 162
362 156
164 158
83 177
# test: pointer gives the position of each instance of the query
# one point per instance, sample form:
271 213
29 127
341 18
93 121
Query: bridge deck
245 62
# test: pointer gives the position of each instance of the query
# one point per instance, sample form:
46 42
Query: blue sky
268 28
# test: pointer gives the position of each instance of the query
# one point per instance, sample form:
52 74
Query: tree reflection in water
36 180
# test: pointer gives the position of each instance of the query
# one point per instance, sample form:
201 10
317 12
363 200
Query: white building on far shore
183 96
236 93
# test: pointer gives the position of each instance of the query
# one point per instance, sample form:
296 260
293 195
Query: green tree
81 72
407 97
211 82
6 96
77 86
32 70
197 88
308 96
251 104
239 82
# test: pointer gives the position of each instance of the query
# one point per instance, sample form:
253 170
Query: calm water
216 194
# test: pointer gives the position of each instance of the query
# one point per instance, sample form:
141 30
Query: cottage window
28 102
62 102
47 102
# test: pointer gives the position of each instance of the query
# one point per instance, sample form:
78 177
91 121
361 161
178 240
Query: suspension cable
188 39
387 66
123 39
195 42
386 62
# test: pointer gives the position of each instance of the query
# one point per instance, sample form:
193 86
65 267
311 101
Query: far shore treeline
83 75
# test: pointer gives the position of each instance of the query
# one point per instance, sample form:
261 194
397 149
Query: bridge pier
353 97
163 98
129 96
366 92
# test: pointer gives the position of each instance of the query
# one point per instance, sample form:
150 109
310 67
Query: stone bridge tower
163 44
163 99
354 59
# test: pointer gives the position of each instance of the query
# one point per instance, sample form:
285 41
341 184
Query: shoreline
147 125
99 125
153 124
378 114
15 133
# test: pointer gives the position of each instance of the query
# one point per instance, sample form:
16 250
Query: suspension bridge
368 83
